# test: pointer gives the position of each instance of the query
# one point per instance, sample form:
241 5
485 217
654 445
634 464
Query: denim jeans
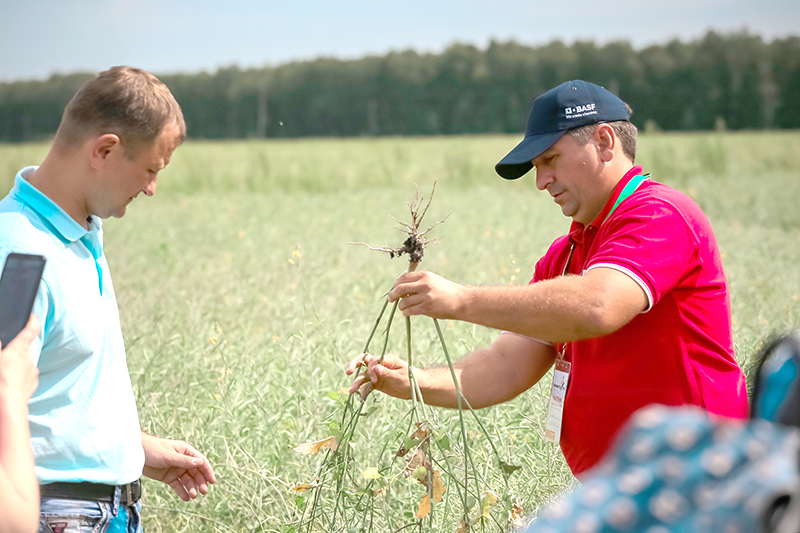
80 516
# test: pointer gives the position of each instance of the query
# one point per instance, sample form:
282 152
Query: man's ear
606 142
103 148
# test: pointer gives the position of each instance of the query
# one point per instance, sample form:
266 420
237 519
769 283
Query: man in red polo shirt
632 305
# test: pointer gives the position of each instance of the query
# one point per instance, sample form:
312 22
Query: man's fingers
28 333
410 305
361 360
204 467
365 390
189 484
207 471
355 363
357 383
191 458
365 383
178 488
405 285
201 482
401 291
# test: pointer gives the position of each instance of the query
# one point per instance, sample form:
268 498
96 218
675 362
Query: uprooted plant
347 496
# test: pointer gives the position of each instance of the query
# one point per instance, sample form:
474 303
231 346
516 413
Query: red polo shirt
679 351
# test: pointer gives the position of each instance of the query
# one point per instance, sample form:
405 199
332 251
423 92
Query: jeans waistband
97 492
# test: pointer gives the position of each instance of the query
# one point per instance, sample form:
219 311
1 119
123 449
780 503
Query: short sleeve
42 310
650 240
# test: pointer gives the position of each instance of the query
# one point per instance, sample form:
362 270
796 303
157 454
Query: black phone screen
19 284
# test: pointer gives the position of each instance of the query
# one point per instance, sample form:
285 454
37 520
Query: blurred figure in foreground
19 489
674 470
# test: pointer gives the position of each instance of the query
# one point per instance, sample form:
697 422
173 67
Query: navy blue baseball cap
570 105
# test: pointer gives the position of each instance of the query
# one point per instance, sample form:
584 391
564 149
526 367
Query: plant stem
467 458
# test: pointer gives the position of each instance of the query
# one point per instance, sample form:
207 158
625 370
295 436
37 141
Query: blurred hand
177 464
389 377
19 377
425 293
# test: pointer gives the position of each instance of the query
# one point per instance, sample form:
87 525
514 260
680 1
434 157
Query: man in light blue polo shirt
117 133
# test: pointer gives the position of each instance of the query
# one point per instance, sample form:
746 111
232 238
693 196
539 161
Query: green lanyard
629 189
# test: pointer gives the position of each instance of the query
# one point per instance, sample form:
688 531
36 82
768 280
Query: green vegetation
736 80
241 301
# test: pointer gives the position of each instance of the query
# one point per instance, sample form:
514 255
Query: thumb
186 460
380 371
28 333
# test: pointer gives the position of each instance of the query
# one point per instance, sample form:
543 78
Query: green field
241 300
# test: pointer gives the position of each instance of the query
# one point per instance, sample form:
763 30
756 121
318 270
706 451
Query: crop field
242 301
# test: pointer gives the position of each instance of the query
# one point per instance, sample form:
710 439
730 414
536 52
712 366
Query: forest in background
721 81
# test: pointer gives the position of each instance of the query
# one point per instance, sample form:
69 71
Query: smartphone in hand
19 284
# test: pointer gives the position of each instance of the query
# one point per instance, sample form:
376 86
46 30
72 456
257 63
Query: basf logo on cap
580 111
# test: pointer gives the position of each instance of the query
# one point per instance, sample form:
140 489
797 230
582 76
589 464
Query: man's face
130 177
570 173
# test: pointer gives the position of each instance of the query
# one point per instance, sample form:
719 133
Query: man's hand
425 293
19 377
390 376
177 464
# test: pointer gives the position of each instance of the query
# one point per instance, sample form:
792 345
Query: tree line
733 81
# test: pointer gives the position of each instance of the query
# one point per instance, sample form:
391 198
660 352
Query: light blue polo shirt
83 418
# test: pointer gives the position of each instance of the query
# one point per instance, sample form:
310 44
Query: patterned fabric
674 470
777 389
78 516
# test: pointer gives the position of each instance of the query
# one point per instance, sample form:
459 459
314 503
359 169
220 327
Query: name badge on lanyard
558 393
558 390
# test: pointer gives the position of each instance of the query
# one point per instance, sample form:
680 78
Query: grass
241 301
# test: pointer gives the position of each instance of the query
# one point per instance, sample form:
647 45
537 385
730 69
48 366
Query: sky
39 38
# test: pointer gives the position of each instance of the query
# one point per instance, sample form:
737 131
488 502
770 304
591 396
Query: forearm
437 386
25 517
477 382
562 309
19 488
488 376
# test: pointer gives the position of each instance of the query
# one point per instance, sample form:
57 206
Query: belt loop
117 497
128 494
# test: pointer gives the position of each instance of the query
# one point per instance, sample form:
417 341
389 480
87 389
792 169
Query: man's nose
543 178
150 190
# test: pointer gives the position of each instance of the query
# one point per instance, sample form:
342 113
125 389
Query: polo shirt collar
63 225
577 229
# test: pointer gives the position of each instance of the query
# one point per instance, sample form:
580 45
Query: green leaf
369 411
410 443
444 442
507 468
471 501
333 395
300 502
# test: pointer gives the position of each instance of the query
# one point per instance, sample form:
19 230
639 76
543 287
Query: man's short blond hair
625 131
126 101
